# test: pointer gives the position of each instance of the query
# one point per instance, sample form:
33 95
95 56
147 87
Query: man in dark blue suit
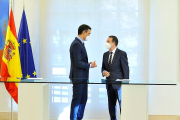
79 72
114 66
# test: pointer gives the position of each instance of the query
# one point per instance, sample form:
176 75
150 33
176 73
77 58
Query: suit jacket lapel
106 59
115 56
82 47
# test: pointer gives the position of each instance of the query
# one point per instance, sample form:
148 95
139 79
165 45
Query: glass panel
63 80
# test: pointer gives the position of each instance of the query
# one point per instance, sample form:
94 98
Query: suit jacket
119 67
79 61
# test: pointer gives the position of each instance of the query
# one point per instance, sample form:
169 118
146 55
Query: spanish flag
11 65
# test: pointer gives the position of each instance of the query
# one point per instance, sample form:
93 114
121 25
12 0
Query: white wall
164 57
5 99
32 14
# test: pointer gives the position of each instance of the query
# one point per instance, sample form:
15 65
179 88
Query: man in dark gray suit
114 66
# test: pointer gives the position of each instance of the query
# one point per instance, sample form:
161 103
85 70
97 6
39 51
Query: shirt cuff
103 73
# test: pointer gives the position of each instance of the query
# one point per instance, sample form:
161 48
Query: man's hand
93 64
105 73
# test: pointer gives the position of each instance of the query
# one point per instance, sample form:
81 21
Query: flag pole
11 108
23 5
10 3
11 96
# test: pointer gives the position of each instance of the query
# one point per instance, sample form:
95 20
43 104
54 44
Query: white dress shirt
112 55
111 58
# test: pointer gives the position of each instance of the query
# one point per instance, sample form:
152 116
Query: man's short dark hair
82 28
114 39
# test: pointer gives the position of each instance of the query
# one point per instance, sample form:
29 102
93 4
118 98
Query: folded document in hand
123 79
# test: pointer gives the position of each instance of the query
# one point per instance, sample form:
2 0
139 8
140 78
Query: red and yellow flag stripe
11 65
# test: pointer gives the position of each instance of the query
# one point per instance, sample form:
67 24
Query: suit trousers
78 103
113 96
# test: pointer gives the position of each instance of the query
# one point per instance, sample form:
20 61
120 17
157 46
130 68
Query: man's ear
83 32
114 43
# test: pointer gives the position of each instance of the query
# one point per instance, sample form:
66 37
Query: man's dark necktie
110 59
